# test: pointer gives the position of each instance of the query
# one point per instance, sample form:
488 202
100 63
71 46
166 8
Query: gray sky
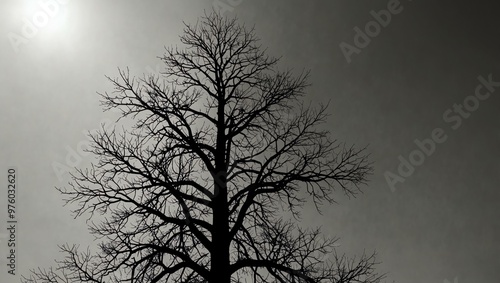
440 223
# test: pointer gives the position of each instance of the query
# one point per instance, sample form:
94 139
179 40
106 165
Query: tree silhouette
221 148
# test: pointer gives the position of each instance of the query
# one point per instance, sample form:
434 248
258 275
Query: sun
42 17
59 23
45 22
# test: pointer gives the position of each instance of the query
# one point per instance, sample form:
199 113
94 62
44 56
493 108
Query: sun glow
39 18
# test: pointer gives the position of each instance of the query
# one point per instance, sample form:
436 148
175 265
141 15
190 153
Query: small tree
221 145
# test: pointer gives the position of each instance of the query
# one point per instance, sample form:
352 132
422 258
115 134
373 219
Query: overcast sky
407 79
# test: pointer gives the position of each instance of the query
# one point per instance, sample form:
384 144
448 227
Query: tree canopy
222 144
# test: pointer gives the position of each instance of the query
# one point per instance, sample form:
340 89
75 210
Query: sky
418 82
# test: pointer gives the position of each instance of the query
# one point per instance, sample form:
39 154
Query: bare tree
222 145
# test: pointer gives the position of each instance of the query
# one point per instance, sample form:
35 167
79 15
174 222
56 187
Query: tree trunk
220 238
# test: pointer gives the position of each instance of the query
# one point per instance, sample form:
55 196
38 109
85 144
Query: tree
222 145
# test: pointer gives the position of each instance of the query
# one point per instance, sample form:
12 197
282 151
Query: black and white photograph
249 141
